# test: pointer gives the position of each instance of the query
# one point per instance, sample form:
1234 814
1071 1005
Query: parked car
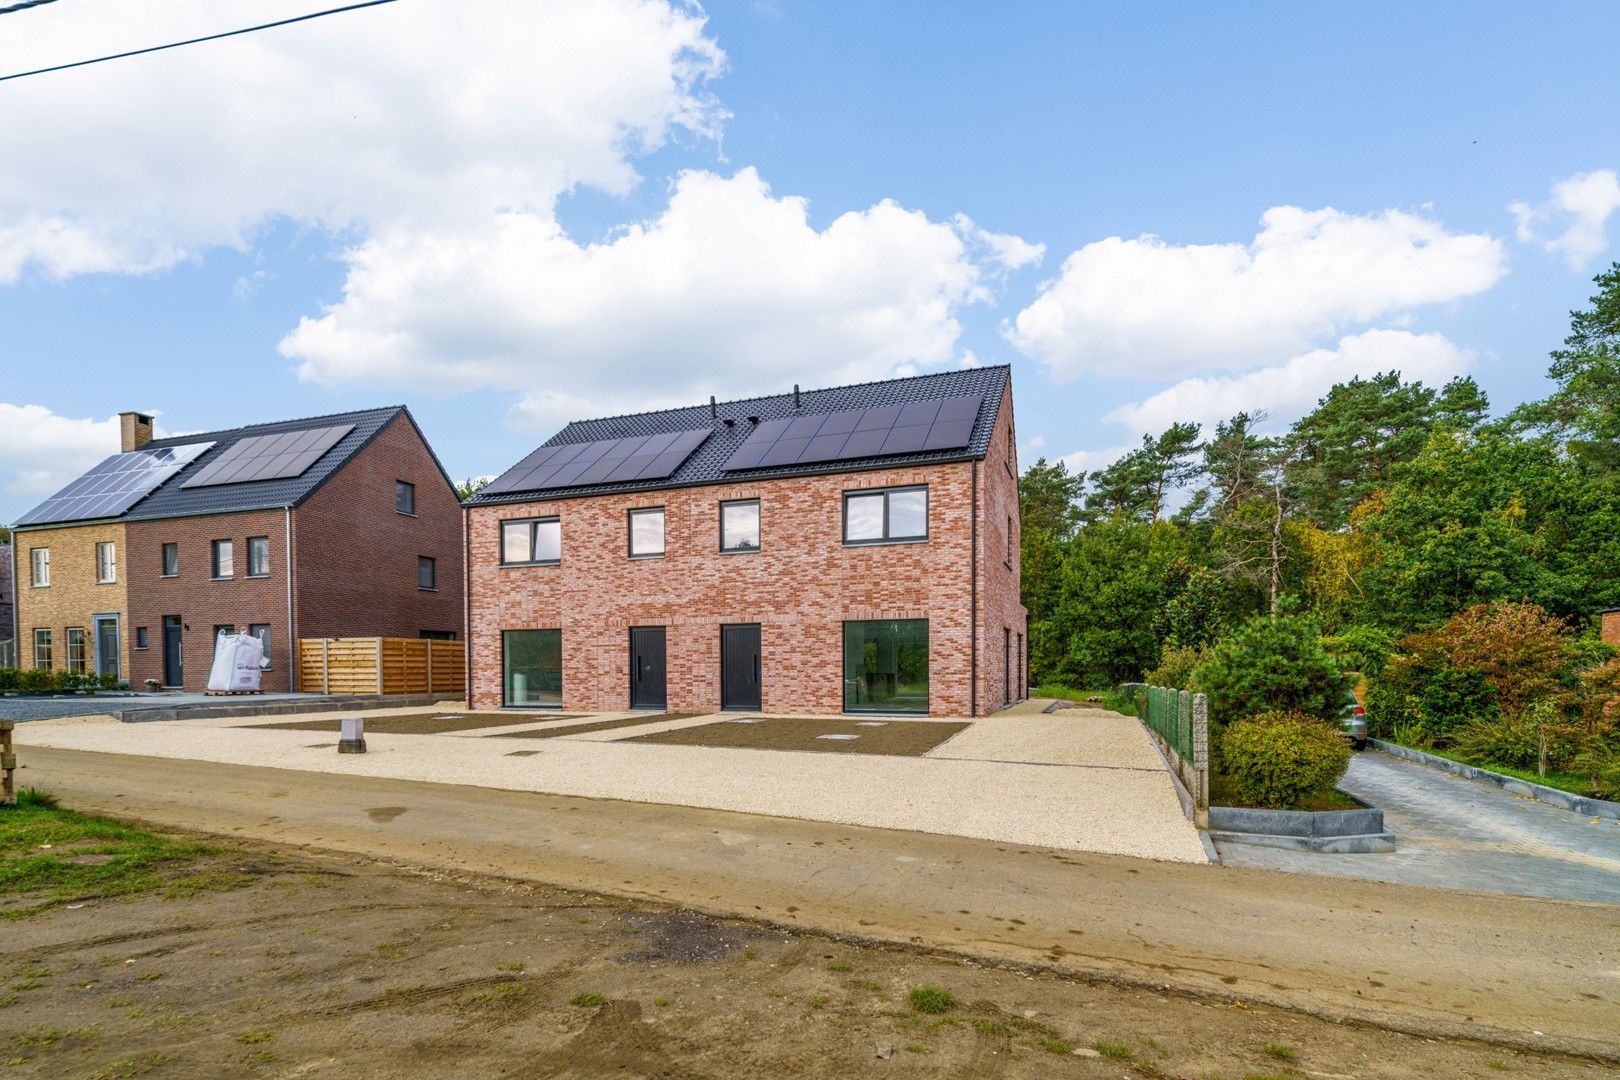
1354 719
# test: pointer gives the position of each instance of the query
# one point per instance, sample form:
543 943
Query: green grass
586 999
41 846
931 999
838 965
1574 783
1279 1051
1116 1050
1056 1046
1107 698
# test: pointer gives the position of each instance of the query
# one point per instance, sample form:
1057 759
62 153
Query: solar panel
269 457
606 461
115 485
917 426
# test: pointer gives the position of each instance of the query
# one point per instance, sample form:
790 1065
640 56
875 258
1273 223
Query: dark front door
739 667
173 673
647 690
107 646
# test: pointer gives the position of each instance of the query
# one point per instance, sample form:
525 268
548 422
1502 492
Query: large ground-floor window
886 666
532 663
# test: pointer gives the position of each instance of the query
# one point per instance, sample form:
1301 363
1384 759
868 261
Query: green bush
1283 760
1271 665
36 680
1518 741
1177 663
10 678
1365 649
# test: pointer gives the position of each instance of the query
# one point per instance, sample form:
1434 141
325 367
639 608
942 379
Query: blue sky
505 219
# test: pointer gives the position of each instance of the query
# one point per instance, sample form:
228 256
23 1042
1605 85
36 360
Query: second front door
739 667
647 688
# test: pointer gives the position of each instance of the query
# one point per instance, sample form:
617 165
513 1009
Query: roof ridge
786 393
196 436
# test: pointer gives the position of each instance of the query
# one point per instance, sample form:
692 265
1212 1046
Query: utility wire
196 40
23 5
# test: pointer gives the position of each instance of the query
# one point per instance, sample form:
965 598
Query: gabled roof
707 464
173 499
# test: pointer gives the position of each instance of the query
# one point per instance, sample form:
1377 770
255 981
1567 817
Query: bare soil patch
601 725
337 966
428 723
874 735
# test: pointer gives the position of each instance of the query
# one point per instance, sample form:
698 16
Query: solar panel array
608 461
269 457
115 485
941 424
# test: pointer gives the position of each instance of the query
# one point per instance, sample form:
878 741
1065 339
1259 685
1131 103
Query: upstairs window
427 573
739 526
647 533
39 565
886 516
405 497
258 556
171 560
106 563
531 542
224 559
1009 540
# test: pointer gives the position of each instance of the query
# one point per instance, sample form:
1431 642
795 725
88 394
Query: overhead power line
23 5
196 40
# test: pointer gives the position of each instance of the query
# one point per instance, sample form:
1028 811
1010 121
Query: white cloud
729 290
41 451
428 116
1091 460
1004 251
1289 390
1147 308
1583 204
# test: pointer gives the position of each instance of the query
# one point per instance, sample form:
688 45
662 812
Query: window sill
420 589
741 551
402 513
168 576
109 581
646 558
520 565
231 578
883 543
255 577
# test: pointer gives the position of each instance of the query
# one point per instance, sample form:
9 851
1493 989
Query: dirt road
1530 973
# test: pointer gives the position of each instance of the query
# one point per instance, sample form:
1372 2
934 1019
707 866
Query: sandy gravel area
848 735
1123 811
1092 737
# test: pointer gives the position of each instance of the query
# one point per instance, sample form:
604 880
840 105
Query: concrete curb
279 708
1578 804
1340 832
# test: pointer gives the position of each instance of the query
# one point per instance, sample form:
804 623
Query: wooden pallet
232 693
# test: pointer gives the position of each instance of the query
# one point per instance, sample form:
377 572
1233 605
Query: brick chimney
134 430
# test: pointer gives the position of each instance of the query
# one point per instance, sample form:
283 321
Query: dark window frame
887 537
431 565
506 702
843 670
142 643
405 492
163 559
630 532
533 523
252 540
264 640
213 559
759 526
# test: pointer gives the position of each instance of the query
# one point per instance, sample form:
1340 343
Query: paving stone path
1463 834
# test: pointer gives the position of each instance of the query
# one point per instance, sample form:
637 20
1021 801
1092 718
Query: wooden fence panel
382 665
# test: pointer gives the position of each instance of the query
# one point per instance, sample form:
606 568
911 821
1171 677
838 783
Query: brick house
331 526
7 577
852 549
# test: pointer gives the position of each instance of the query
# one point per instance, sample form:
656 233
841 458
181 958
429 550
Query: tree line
1387 509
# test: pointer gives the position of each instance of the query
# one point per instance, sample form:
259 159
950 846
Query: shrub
1505 739
36 680
10 678
931 999
1283 760
1269 665
107 681
1363 649
1177 663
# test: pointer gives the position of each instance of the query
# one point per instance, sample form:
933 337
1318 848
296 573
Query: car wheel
1358 745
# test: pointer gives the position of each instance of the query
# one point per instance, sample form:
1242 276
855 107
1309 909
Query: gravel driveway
1464 835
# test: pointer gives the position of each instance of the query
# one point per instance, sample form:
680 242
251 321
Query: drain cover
742 720
871 723
840 738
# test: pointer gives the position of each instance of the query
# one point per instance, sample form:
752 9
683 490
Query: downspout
466 598
292 629
973 602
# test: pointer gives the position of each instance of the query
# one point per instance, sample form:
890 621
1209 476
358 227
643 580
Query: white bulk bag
238 660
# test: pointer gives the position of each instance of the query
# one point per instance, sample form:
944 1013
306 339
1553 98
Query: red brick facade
354 561
800 587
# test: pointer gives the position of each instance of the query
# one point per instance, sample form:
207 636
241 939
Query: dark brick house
851 549
330 526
